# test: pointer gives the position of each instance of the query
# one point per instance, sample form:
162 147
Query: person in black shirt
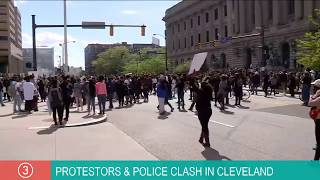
66 88
203 106
180 88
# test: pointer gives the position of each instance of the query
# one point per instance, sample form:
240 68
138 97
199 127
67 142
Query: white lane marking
223 124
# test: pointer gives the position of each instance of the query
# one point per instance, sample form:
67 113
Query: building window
173 44
191 41
172 29
226 31
291 7
270 10
207 17
191 23
199 20
185 26
179 45
216 16
28 65
225 10
185 42
207 36
178 27
3 38
199 38
216 33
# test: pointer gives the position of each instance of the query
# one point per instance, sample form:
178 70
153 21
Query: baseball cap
316 83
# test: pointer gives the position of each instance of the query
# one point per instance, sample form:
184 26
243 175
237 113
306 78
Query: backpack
56 99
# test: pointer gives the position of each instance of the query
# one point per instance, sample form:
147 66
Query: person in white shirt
28 91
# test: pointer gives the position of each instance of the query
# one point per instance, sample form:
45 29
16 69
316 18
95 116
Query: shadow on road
212 154
243 107
6 115
164 116
49 130
227 112
20 116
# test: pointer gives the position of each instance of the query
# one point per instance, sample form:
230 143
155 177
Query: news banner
134 170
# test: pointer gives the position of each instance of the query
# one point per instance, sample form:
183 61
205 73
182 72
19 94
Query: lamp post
64 60
166 50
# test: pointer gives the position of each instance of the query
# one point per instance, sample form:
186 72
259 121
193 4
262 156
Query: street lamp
166 50
63 45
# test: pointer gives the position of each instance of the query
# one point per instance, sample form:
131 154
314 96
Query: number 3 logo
25 170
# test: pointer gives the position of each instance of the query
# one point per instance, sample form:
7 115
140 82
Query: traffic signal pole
92 26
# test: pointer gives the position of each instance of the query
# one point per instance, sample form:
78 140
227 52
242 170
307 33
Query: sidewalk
34 137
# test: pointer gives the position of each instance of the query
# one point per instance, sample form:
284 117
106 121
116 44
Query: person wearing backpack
56 102
314 102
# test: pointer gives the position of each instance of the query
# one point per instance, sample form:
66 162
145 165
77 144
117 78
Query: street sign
93 25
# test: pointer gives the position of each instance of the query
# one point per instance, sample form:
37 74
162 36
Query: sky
149 13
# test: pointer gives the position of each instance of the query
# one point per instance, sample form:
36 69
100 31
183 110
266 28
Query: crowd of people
62 92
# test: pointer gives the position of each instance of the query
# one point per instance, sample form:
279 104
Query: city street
273 128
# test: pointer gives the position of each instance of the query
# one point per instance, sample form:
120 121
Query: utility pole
65 46
34 46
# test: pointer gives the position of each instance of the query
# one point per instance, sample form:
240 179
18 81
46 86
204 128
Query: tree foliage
182 68
309 46
120 60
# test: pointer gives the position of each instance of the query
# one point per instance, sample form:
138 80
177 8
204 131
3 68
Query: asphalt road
262 129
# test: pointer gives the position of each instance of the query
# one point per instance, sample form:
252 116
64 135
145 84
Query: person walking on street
266 83
203 106
28 91
292 84
161 93
237 89
306 85
111 90
314 102
77 94
101 91
91 96
1 93
180 88
223 92
56 102
17 97
66 89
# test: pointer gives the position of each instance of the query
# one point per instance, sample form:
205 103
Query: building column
308 8
236 16
230 18
242 16
258 14
275 12
297 9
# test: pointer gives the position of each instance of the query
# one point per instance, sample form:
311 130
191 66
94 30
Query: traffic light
111 30
143 30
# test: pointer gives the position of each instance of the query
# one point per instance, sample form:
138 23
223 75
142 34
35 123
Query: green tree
146 63
308 53
111 61
182 68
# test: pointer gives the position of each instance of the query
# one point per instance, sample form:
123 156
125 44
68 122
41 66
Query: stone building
245 33
10 38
